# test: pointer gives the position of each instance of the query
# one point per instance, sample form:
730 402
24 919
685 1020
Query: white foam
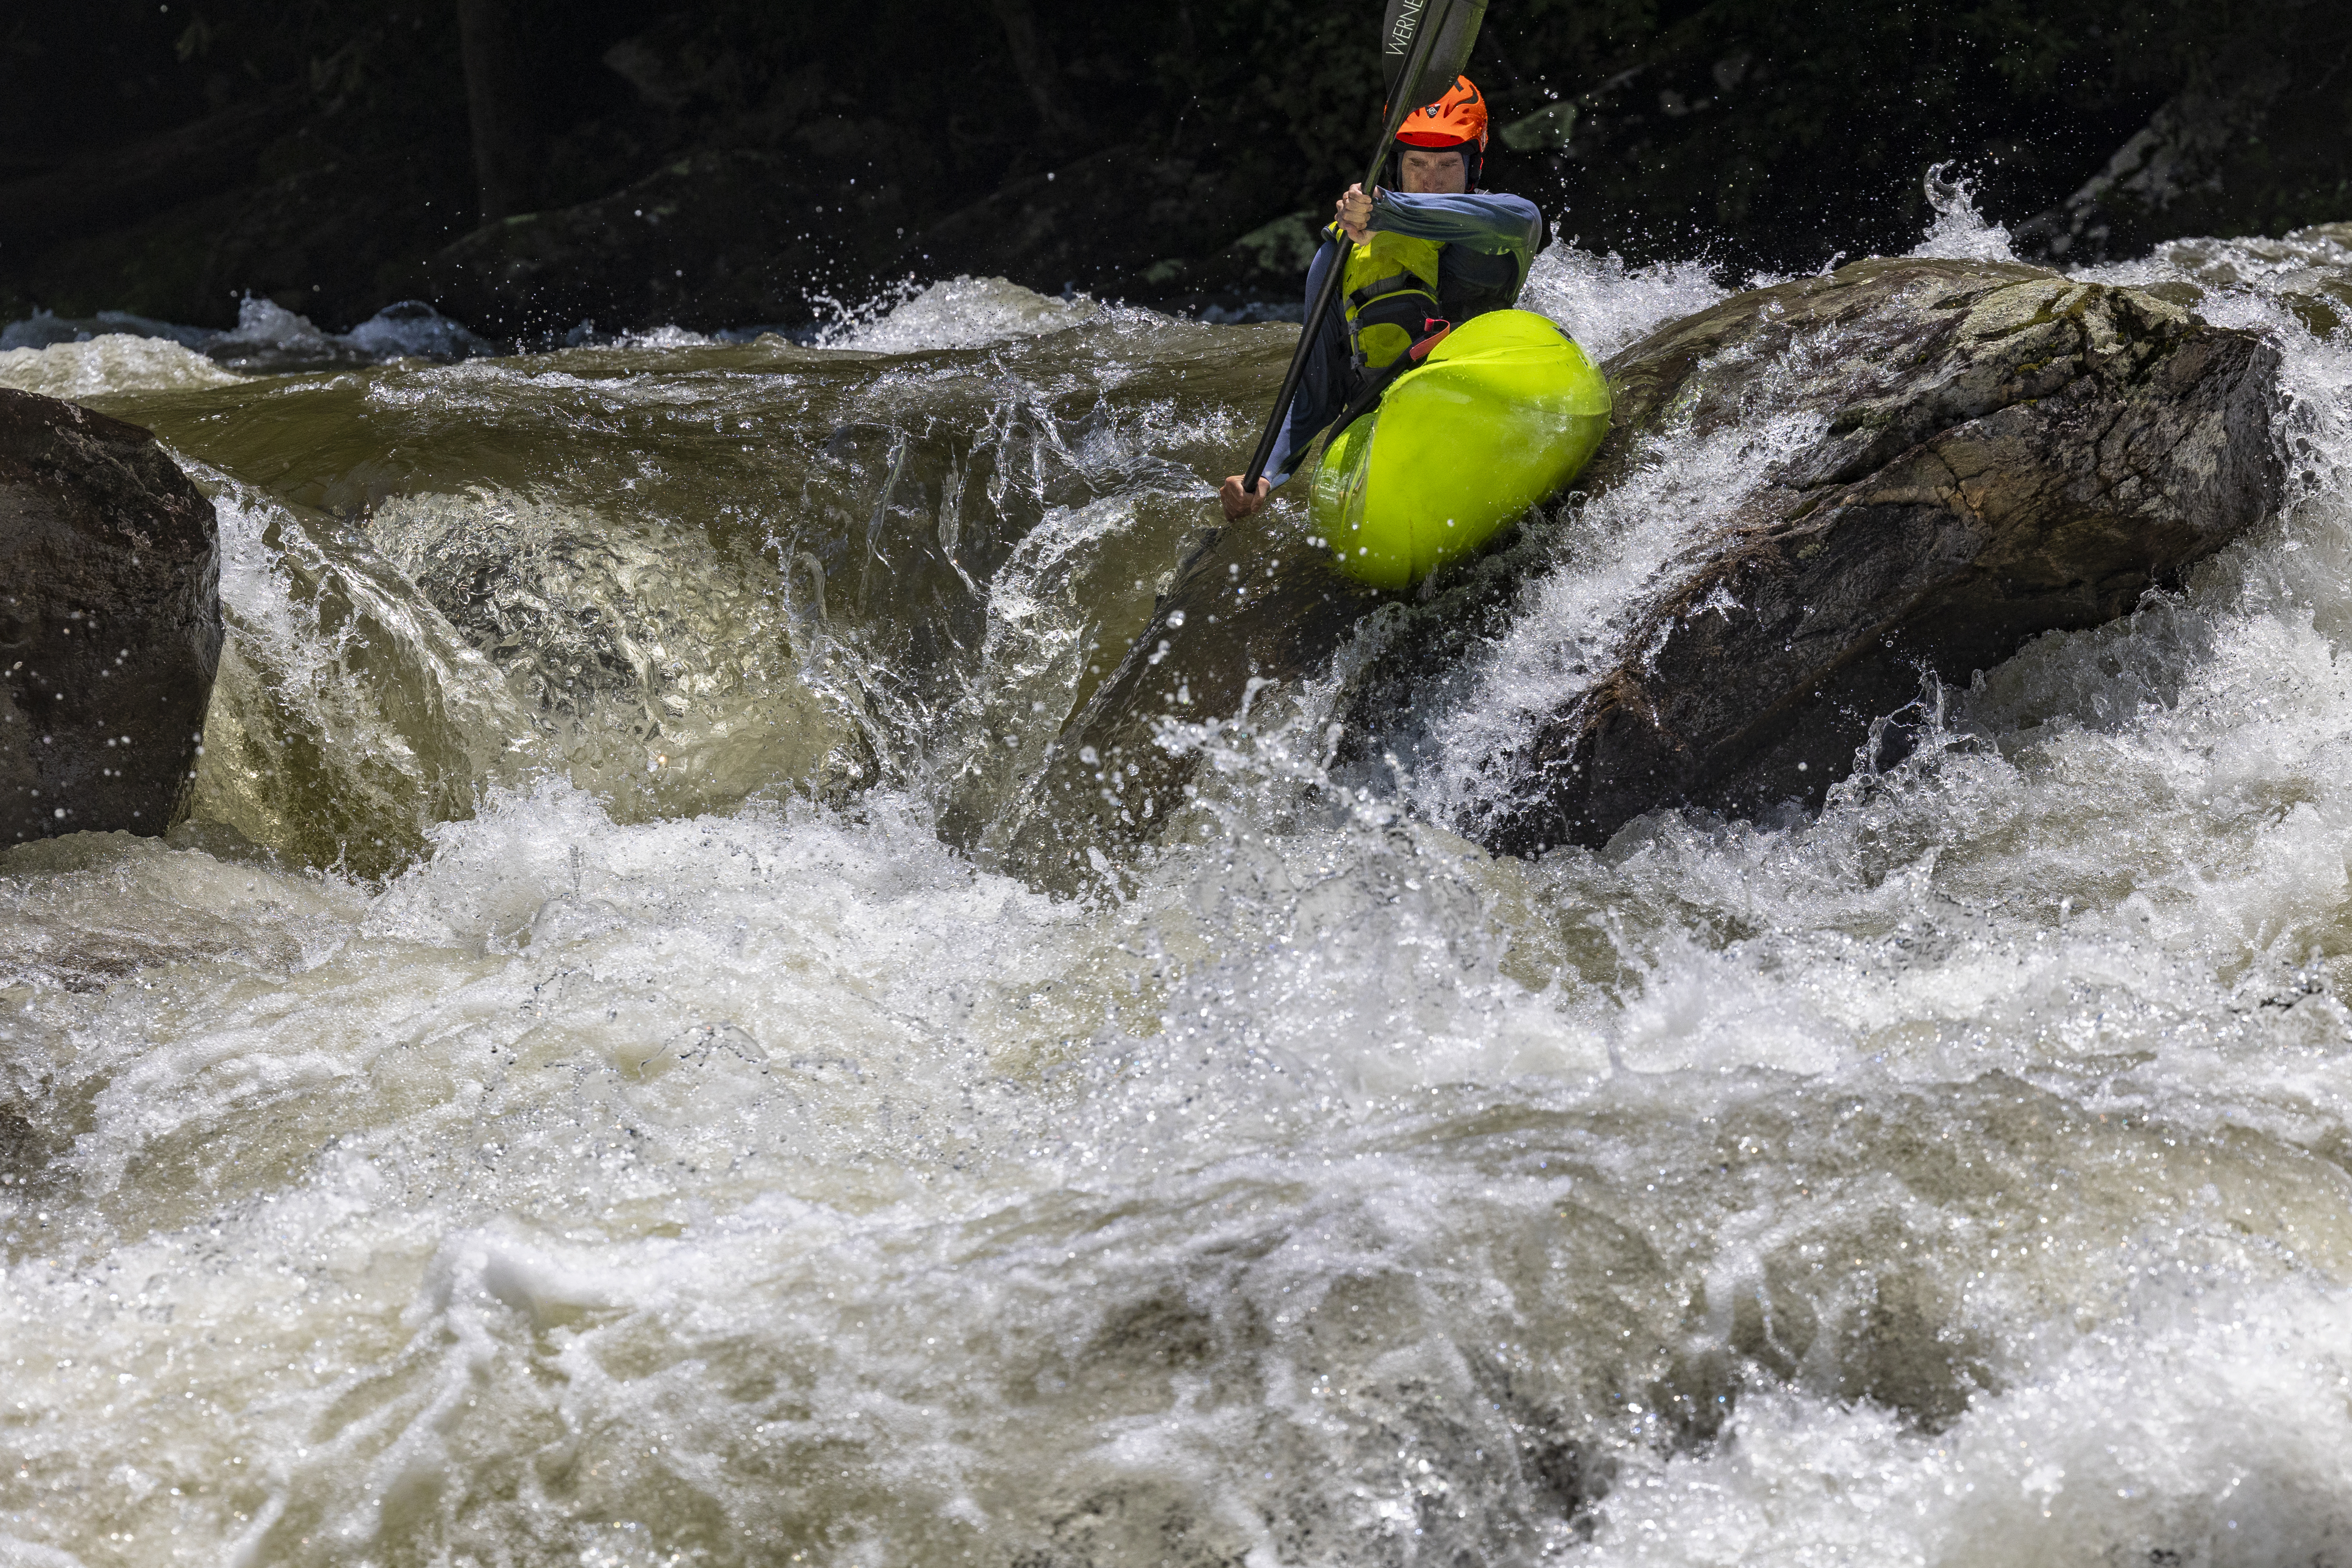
264 323
112 363
1954 1178
665 336
1606 305
43 327
413 328
115 351
2210 1427
1613 549
960 313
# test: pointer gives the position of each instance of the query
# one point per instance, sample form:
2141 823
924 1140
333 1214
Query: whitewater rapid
577 1092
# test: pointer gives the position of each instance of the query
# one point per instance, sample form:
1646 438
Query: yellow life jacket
1391 287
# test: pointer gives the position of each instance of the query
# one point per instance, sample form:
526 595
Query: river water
581 1090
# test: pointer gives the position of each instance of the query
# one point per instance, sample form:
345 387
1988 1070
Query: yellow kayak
1503 414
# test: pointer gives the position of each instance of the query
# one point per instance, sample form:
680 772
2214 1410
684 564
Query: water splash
960 313
1605 305
1959 232
268 339
1954 1176
110 363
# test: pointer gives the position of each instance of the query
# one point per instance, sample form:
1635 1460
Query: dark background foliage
527 163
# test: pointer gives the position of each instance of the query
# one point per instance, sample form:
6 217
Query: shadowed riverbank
527 168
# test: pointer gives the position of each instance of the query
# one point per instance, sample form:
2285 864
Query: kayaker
1420 259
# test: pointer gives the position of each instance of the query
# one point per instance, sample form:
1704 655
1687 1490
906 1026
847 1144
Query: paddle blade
1448 53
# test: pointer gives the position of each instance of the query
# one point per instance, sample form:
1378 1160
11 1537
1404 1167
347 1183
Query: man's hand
1354 211
1238 502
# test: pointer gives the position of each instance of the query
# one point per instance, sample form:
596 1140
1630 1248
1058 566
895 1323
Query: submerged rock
110 623
1248 609
1997 452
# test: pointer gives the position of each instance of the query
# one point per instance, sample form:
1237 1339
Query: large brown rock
110 623
2001 452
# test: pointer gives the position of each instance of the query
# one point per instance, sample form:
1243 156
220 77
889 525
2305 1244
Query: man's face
1434 172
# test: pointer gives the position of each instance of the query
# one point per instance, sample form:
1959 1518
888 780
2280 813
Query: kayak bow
1502 415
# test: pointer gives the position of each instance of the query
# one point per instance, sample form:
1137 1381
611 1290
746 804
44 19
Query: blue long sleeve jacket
1490 241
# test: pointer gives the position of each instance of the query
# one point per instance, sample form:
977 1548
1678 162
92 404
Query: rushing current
583 1089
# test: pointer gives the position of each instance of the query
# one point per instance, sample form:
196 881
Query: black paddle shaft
1402 102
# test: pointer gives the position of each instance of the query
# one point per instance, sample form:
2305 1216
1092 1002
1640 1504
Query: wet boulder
110 623
1981 452
1994 452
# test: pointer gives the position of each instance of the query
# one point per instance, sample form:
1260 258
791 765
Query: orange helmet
1457 119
